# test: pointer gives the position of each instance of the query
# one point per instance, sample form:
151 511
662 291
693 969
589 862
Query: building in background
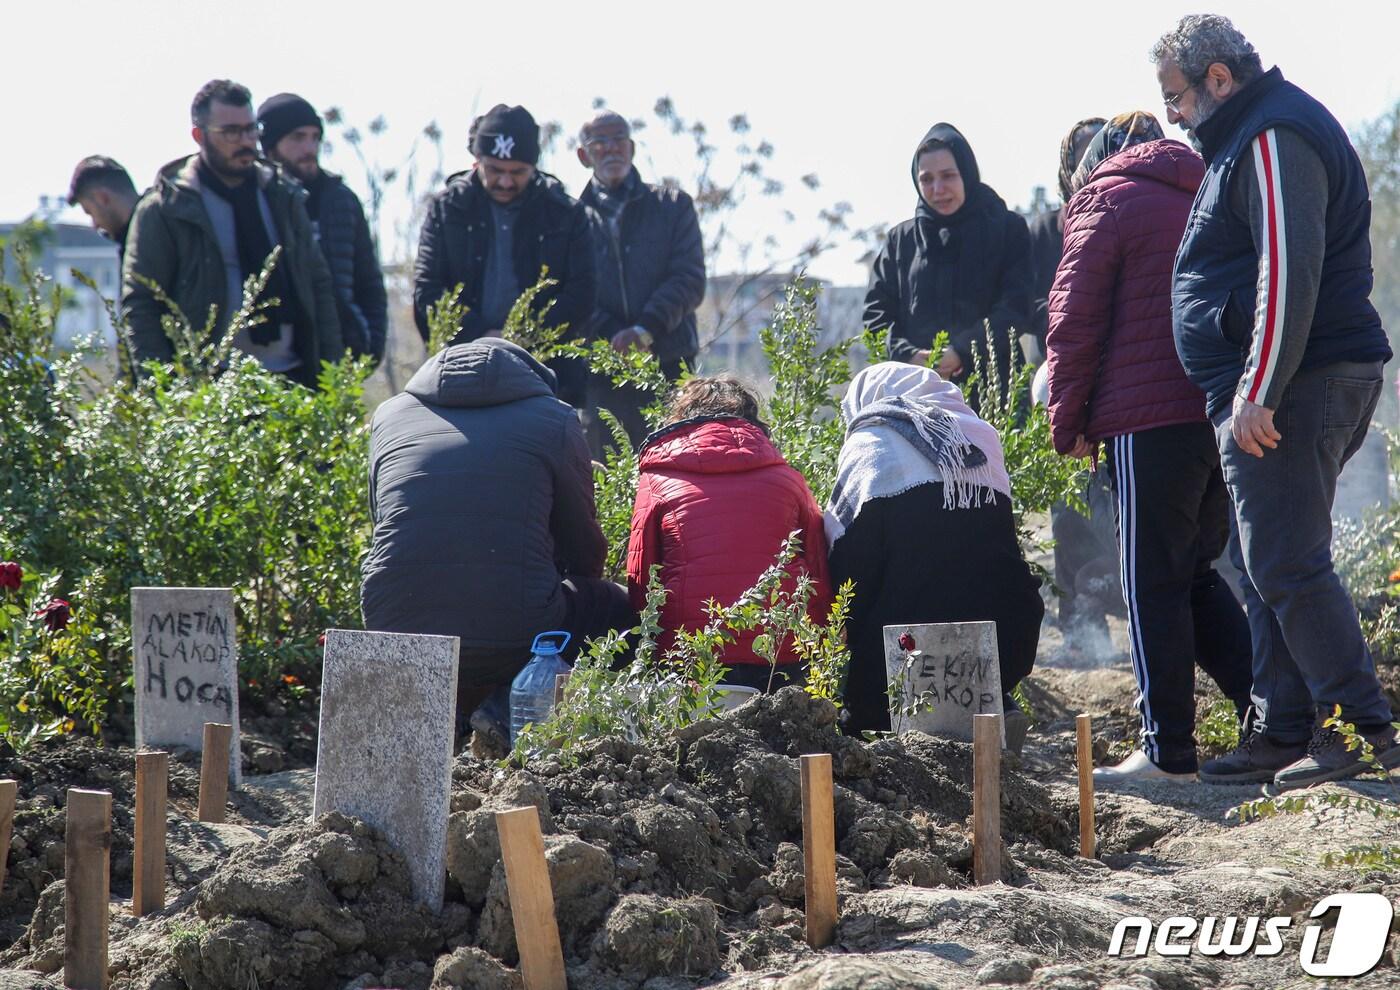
57 249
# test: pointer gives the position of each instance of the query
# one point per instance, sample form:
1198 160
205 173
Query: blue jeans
1309 653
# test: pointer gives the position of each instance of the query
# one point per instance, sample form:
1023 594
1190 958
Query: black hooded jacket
952 272
481 494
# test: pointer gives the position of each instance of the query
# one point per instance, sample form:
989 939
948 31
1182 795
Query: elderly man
291 137
494 228
208 225
1273 320
651 268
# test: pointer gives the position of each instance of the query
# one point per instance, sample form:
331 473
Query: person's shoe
1016 725
1255 760
1329 759
1137 767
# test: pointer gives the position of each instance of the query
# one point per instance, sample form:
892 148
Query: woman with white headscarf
920 519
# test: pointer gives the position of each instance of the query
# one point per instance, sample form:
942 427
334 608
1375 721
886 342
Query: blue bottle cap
544 645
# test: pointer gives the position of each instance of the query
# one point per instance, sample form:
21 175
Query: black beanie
281 114
506 132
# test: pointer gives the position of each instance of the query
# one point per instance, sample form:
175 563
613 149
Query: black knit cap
508 133
281 114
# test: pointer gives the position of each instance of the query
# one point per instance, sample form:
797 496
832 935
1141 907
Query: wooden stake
87 875
531 899
561 681
1084 746
986 799
148 870
819 849
213 772
9 789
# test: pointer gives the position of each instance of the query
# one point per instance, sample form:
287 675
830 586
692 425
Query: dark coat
553 231
920 285
1215 288
913 561
172 243
715 500
481 495
1112 362
1047 245
360 298
653 274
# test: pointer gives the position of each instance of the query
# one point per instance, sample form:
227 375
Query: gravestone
384 751
186 668
950 672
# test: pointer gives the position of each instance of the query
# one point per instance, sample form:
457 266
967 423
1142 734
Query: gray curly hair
1200 40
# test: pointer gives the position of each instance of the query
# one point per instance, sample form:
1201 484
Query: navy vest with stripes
1217 266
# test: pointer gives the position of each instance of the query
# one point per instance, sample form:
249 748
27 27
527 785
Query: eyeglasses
1173 103
235 132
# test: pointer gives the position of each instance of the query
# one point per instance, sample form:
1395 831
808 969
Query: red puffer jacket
715 501
1112 362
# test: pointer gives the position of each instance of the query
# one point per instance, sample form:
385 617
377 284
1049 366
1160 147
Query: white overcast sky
844 91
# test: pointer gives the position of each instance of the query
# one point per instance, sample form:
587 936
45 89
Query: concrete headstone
949 673
384 752
186 668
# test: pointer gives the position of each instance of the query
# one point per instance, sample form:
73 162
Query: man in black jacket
485 528
494 228
1273 320
651 269
291 137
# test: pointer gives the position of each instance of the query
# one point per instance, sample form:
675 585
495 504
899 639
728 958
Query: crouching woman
715 501
920 519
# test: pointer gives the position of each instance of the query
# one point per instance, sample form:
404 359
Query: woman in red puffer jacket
715 500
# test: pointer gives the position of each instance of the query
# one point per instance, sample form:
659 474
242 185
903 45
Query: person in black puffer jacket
963 258
291 136
494 228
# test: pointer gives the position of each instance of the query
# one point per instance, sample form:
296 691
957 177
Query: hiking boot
1137 767
1329 759
1255 760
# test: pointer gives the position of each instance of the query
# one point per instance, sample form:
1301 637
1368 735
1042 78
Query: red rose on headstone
906 642
55 614
11 575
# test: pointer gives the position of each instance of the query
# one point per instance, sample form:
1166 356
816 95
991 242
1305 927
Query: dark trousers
624 402
595 607
1309 653
1173 522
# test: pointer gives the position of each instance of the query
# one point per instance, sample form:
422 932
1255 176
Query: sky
844 95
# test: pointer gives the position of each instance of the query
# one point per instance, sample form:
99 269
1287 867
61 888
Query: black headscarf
254 245
979 197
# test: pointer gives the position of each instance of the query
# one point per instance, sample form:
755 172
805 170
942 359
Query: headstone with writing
944 673
186 668
384 752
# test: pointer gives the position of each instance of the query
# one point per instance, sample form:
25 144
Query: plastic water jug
532 691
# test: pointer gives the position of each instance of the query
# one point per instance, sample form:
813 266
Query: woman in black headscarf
964 258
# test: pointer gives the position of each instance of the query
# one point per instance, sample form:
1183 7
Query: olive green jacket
172 243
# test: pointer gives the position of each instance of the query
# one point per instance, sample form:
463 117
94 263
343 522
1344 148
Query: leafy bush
210 471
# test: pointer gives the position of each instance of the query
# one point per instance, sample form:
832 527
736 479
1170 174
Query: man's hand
921 357
949 364
1253 427
1081 448
625 340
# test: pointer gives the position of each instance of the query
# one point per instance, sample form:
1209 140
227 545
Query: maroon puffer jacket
715 500
1112 361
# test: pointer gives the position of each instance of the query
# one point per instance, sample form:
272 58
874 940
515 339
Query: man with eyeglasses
1272 317
209 224
494 229
651 270
291 136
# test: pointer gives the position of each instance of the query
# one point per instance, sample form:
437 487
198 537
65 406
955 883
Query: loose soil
679 865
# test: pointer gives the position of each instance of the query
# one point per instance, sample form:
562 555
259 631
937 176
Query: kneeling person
715 500
481 493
